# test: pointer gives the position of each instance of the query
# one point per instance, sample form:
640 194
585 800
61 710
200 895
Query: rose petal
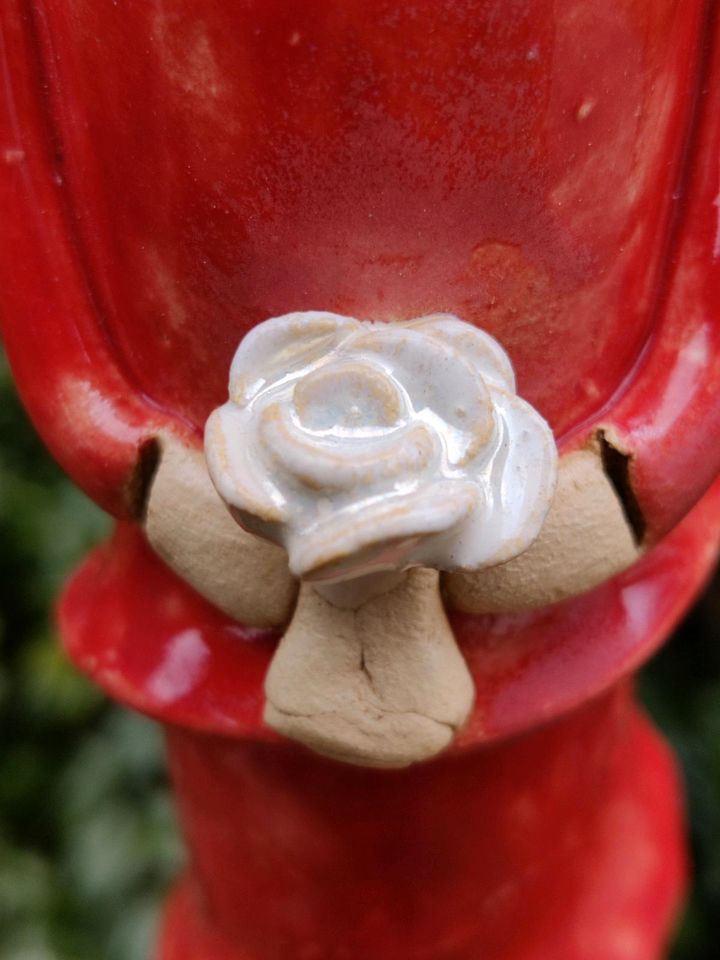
343 463
236 468
348 396
443 387
482 350
283 346
519 489
380 534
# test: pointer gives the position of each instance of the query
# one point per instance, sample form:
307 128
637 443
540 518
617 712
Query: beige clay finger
585 540
382 685
189 526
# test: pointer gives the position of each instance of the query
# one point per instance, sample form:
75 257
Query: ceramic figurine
389 335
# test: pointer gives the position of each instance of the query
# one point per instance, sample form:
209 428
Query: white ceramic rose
366 447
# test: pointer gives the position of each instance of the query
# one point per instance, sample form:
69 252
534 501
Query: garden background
88 842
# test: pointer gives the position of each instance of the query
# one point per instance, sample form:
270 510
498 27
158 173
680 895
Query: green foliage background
88 843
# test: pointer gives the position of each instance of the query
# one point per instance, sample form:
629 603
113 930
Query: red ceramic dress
172 174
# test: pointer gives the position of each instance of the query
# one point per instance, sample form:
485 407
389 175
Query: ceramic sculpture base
562 844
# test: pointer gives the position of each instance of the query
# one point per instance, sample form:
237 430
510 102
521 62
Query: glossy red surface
173 175
564 844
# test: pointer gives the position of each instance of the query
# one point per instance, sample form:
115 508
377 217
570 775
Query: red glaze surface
149 640
564 844
174 174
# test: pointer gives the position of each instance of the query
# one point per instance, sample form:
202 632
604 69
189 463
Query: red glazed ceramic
173 174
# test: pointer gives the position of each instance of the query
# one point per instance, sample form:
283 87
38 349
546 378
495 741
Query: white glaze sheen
364 447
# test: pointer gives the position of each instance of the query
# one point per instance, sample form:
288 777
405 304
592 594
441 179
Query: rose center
347 396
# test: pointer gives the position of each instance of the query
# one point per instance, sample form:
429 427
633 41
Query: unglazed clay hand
188 525
381 683
368 449
585 540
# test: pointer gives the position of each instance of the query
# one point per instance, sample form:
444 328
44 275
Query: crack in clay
383 713
617 465
142 477
365 669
